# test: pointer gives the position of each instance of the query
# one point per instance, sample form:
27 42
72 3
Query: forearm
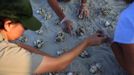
61 62
54 5
54 64
68 57
33 50
83 1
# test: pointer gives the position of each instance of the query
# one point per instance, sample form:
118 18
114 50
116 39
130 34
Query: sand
105 21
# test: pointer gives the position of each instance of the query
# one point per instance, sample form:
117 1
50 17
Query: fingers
103 37
99 34
69 29
87 13
83 12
68 26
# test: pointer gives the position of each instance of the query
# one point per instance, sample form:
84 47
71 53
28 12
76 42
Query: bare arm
68 23
55 6
118 52
33 50
124 54
128 51
59 63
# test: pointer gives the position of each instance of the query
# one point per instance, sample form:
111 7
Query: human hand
96 39
83 11
68 26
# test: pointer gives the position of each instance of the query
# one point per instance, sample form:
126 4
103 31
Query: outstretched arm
33 50
51 64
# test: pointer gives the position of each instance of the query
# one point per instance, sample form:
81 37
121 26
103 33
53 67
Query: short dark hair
3 19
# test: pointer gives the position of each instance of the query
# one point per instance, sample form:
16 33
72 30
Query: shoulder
125 26
126 18
128 12
11 48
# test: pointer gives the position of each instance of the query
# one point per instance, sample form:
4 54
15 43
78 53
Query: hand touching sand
83 11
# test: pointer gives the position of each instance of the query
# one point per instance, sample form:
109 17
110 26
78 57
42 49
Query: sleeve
33 59
124 32
15 60
36 61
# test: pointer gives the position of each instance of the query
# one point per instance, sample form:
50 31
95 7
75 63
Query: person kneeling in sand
21 59
83 12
